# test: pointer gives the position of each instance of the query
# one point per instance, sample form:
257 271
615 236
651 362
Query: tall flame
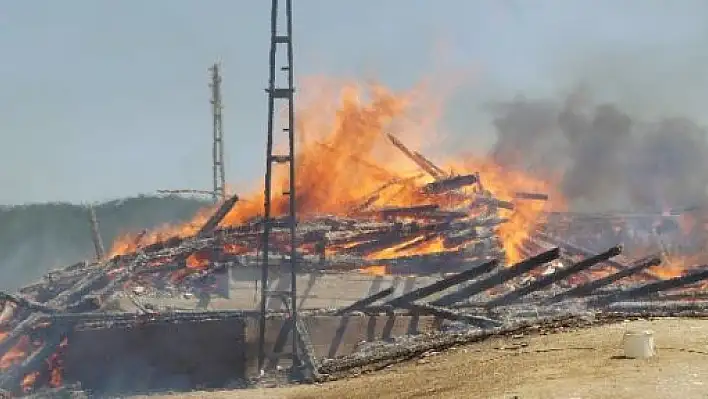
344 156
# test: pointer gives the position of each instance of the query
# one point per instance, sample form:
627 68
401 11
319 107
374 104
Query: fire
375 270
235 249
393 251
130 242
674 265
503 183
56 366
28 381
199 260
344 156
16 354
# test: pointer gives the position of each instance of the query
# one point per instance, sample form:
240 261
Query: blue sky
102 99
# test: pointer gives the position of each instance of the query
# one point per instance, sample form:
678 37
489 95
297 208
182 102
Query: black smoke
603 157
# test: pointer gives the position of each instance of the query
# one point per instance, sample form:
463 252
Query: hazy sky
102 99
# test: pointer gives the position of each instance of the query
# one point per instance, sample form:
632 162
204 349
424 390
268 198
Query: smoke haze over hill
35 238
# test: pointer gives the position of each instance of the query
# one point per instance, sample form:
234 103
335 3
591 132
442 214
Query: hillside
38 237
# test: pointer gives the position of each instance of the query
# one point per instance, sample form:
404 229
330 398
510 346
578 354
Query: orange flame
235 249
344 156
28 381
522 221
375 270
128 243
673 265
199 260
16 354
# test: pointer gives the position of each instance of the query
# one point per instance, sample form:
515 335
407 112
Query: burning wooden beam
27 304
14 335
433 171
426 161
578 250
531 196
443 284
213 222
10 379
444 185
500 277
592 286
655 287
494 202
547 280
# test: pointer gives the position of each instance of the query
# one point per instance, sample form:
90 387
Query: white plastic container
639 344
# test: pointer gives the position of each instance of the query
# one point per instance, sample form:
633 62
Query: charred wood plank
655 287
668 308
17 332
27 304
531 196
546 281
426 161
99 320
576 249
11 379
591 286
362 303
91 281
213 222
441 186
501 276
443 284
96 299
410 349
494 202
415 210
30 319
432 171
448 314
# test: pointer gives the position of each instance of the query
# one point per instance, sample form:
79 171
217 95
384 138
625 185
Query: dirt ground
574 364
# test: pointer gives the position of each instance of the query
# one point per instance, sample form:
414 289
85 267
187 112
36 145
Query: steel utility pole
285 93
219 192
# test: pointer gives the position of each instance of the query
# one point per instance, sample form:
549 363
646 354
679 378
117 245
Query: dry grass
574 364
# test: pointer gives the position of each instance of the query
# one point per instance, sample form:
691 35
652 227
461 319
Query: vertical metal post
267 188
219 188
283 93
292 196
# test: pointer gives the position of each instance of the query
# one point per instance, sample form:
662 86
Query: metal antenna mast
286 93
218 149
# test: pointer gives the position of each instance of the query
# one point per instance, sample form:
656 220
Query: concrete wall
315 290
157 356
331 336
213 353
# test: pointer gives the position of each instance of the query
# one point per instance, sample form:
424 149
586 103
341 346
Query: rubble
451 230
